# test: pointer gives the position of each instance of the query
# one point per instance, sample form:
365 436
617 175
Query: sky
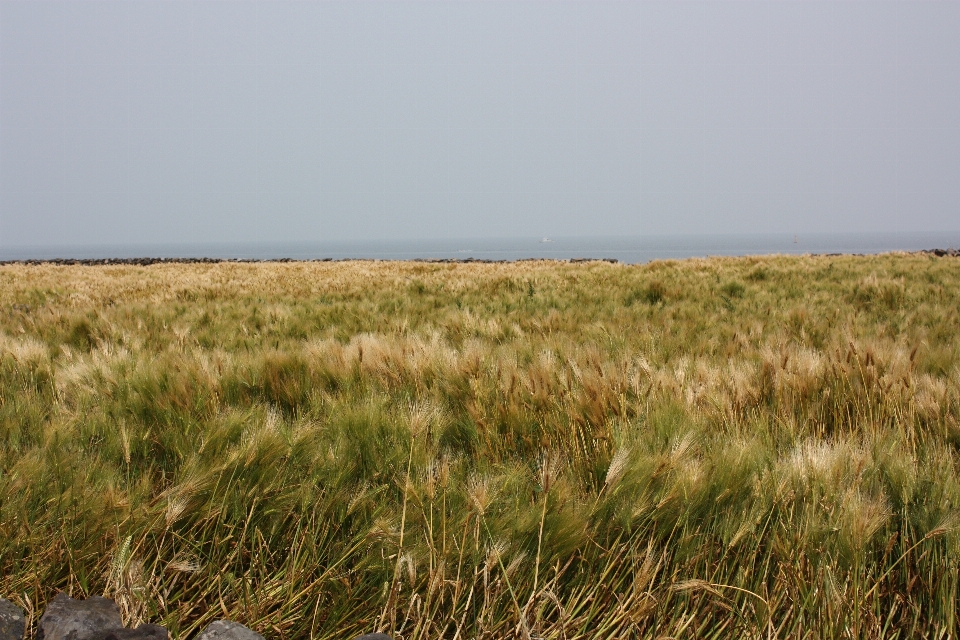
200 121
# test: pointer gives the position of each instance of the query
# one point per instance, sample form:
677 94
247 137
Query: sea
626 249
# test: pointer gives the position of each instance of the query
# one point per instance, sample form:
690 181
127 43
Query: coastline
148 261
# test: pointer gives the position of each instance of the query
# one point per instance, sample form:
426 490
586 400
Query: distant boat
546 240
794 239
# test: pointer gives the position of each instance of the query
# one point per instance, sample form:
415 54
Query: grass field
745 447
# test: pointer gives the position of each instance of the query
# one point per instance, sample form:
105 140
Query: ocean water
627 249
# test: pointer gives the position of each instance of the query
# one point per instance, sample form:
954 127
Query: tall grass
754 447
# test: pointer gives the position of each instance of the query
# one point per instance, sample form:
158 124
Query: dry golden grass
700 448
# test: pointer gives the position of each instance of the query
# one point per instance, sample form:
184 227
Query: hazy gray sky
146 121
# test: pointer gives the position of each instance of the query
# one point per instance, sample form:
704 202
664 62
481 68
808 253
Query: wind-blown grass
755 447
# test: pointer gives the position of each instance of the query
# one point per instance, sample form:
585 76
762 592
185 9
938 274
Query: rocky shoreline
940 253
144 262
97 618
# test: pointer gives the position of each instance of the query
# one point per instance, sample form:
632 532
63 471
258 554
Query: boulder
143 632
12 622
69 619
228 630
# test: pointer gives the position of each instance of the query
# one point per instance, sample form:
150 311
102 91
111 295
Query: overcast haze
150 122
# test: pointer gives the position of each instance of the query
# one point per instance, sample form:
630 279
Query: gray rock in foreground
143 632
227 630
69 619
12 622
373 636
